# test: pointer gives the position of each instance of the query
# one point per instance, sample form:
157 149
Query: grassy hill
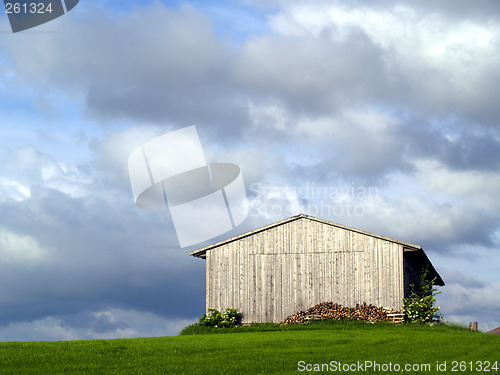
266 349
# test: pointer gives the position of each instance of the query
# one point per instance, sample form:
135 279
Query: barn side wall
272 274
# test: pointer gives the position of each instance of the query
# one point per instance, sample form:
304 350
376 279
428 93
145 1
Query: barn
272 272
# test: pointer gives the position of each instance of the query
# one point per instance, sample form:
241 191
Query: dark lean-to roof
413 252
495 331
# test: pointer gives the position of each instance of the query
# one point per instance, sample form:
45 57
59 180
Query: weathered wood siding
274 273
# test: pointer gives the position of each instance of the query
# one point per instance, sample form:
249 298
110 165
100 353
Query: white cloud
103 324
434 40
478 189
49 328
21 250
355 141
26 167
135 323
432 59
466 298
268 115
113 149
13 190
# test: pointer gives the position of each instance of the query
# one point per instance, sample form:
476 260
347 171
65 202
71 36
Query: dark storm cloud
414 57
165 66
468 298
458 144
461 9
464 279
326 75
102 255
479 230
153 66
474 152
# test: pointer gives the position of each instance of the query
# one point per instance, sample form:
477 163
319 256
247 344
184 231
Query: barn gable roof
414 252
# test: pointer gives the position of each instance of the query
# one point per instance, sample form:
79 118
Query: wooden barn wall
272 274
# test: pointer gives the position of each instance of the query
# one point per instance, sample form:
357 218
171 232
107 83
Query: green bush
213 318
419 307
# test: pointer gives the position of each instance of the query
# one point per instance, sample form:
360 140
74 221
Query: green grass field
265 349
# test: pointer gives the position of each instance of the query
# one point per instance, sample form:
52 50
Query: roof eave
427 264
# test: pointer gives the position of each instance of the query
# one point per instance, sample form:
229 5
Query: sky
380 115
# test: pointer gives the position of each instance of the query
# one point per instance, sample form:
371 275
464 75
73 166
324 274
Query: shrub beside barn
274 271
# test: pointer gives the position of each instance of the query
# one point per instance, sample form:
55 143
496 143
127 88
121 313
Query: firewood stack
330 310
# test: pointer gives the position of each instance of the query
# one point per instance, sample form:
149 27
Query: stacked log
330 310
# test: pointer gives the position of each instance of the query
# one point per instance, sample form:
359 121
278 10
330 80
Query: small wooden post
473 326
